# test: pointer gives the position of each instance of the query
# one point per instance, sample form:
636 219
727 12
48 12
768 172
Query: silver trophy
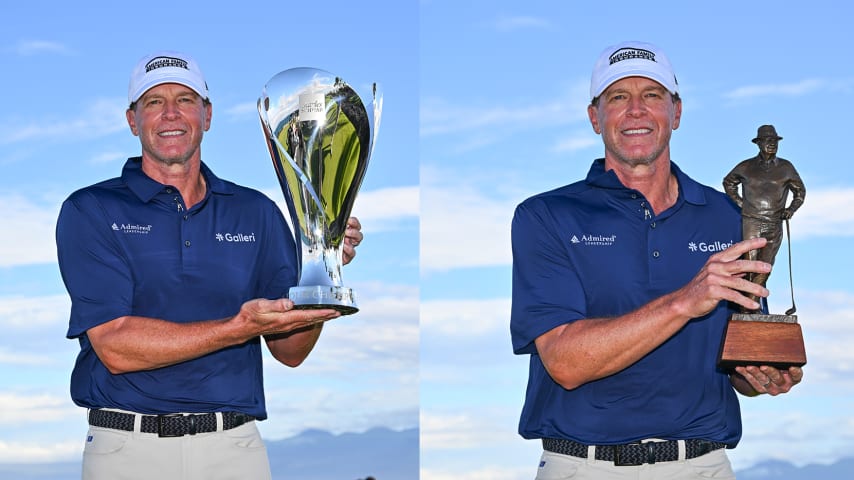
320 136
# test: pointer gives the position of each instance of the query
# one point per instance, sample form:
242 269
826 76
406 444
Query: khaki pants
237 454
554 466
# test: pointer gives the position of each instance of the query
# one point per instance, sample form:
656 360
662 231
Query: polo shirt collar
690 190
147 188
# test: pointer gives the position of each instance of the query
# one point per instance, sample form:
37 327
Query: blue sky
484 105
503 116
62 126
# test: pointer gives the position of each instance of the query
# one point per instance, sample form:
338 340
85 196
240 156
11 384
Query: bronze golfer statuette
766 180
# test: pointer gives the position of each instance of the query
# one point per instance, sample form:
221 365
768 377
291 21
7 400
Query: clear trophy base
320 297
760 339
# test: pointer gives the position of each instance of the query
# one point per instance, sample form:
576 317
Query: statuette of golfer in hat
760 186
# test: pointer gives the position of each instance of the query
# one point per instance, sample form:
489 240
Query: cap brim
153 82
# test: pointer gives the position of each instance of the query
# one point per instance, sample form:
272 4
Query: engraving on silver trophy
320 136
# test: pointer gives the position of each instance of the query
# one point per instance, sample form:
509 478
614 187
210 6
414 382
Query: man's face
768 146
170 121
635 117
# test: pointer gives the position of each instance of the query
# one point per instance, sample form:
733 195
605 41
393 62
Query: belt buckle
623 460
702 447
160 426
237 419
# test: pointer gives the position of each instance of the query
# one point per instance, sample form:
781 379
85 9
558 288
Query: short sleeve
547 290
93 267
280 265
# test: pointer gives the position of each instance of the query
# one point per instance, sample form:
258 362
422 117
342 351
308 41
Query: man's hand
290 334
765 379
722 278
352 238
264 317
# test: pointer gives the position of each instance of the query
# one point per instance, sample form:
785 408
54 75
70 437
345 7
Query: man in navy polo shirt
621 291
175 276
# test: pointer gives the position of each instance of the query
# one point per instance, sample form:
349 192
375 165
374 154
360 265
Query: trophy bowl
320 136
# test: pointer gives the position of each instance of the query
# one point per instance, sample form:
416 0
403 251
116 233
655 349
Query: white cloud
827 321
465 318
18 409
33 313
101 117
577 141
803 87
461 227
115 157
34 340
442 117
455 445
388 204
824 214
40 452
467 429
814 430
241 110
34 226
23 359
33 47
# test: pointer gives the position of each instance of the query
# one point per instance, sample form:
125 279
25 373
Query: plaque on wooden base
758 339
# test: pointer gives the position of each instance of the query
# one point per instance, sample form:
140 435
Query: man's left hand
765 379
352 238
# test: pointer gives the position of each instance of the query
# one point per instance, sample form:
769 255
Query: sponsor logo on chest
235 237
131 228
594 239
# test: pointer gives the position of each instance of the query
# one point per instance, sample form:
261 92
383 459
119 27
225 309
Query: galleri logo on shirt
709 247
235 237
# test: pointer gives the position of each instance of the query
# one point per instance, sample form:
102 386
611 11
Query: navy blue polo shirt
129 246
595 249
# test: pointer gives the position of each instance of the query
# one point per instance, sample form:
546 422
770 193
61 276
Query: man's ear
677 114
131 118
593 115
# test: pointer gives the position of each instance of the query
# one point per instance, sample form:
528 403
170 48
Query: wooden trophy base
758 339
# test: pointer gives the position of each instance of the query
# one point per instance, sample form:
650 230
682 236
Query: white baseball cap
632 59
166 67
